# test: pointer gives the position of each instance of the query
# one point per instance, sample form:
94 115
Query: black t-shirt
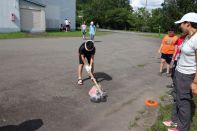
83 51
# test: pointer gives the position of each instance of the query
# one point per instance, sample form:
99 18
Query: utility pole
146 4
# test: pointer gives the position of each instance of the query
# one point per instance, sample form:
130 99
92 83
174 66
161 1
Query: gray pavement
38 90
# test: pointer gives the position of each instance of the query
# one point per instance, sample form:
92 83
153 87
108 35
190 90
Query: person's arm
92 60
159 51
83 59
194 82
161 46
175 51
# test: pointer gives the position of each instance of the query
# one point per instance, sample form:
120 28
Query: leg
184 115
84 36
91 36
174 115
168 61
163 61
184 100
80 69
168 68
174 112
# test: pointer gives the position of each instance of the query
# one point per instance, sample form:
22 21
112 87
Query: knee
163 61
81 65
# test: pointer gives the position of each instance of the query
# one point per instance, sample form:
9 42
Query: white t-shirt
187 60
66 22
83 27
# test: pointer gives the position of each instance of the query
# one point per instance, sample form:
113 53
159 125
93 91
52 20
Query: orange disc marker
152 103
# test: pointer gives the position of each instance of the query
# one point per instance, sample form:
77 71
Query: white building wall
7 7
32 17
58 10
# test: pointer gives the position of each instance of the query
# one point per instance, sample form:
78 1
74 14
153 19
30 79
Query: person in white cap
92 30
185 78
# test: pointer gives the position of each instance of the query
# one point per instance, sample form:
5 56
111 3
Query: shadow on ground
30 125
97 41
100 76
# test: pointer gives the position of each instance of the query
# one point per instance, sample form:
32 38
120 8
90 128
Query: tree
118 18
173 10
141 18
118 14
155 21
114 14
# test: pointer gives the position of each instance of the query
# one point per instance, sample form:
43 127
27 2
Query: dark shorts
167 57
84 32
87 57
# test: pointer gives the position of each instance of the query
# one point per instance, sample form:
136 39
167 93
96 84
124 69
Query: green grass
155 35
46 34
12 35
165 114
73 34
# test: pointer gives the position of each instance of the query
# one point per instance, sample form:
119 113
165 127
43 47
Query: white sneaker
172 129
169 123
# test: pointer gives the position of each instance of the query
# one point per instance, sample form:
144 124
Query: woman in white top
83 30
186 74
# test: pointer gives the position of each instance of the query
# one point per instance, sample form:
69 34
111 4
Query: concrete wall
7 7
32 17
58 10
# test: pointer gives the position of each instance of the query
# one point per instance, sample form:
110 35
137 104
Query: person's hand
194 88
159 51
172 64
88 68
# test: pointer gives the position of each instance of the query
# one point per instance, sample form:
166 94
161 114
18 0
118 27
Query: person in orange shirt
167 49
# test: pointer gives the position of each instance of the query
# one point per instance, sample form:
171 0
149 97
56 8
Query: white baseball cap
189 17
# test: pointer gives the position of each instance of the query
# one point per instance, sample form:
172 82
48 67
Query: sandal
80 82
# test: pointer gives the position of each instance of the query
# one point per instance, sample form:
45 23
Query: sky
151 4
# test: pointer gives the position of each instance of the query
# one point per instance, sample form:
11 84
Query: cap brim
178 22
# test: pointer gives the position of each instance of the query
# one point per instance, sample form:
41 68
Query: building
32 16
58 10
35 15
